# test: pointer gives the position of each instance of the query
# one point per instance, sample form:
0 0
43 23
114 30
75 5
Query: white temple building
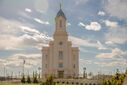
60 58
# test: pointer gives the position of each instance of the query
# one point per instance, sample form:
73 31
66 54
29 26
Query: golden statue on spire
60 6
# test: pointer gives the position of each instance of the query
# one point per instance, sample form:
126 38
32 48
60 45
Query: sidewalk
11 81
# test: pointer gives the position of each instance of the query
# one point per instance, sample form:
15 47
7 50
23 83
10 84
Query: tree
33 74
28 79
90 74
35 79
117 79
23 79
49 81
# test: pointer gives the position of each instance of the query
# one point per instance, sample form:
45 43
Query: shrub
35 80
28 79
23 79
49 81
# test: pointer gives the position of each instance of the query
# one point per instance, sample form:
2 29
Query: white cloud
117 8
86 43
68 24
24 15
16 60
114 54
15 35
81 24
117 35
113 58
95 26
77 2
10 26
41 5
101 13
85 61
40 21
28 10
29 30
110 23
122 63
100 46
109 42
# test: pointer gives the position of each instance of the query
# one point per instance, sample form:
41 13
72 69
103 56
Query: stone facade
60 58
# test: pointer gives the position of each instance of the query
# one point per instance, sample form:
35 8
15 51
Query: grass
26 84
18 84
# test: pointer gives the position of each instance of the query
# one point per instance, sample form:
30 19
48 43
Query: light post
39 68
84 72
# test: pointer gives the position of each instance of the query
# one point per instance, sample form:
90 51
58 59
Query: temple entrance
60 74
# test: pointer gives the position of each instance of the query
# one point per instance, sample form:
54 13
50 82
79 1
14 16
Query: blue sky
97 27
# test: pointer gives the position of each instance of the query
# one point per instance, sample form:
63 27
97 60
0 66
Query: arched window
60 23
60 43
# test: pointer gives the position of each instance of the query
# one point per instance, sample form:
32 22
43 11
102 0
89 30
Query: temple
60 58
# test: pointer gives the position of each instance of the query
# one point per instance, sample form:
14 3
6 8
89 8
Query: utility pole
23 67
84 72
39 68
4 72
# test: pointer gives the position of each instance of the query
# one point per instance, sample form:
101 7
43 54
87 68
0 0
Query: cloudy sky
97 27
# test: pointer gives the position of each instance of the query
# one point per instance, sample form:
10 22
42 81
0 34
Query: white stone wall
78 81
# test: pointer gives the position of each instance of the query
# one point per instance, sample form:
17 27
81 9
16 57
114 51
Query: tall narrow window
60 65
60 23
60 55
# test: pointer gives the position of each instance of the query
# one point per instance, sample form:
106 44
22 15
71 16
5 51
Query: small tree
23 79
33 74
90 74
49 81
28 79
35 79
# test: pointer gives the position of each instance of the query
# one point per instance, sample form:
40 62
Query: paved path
11 81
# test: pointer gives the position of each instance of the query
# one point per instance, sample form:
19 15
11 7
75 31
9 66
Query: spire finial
60 6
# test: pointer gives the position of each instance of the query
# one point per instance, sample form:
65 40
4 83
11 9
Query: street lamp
39 68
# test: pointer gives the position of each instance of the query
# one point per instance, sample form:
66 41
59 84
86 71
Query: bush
23 79
49 81
35 80
28 79
118 79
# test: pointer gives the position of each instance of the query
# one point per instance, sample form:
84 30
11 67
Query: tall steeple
60 13
60 21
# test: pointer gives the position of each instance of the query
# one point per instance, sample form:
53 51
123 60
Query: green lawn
28 84
19 84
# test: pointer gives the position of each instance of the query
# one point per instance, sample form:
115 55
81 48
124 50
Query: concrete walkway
11 81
